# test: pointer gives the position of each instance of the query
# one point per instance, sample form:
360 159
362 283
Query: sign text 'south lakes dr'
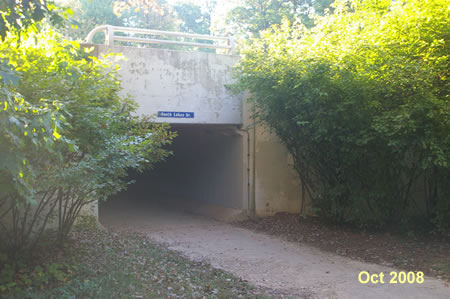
176 114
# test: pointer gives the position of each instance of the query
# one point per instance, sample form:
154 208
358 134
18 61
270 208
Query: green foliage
24 126
361 102
88 14
152 14
14 277
159 15
67 137
193 19
254 16
20 15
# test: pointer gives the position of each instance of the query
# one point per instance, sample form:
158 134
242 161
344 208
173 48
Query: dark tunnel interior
206 167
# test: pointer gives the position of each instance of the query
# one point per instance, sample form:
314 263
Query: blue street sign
175 114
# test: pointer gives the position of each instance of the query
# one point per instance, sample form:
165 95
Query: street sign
175 114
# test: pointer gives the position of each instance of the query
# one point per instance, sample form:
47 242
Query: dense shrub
361 102
67 137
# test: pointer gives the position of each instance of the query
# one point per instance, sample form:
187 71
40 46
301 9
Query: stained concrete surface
179 81
261 259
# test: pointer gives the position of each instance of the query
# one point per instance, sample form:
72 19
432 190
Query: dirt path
264 260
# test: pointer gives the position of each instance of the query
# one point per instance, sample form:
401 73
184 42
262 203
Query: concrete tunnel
205 169
218 162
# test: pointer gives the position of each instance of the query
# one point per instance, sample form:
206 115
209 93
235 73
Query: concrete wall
167 80
277 186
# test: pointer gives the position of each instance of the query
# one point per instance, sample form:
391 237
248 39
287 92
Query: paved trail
263 260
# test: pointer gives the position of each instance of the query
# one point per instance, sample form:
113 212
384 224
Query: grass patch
105 264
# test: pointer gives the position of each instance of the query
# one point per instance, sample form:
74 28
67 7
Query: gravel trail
263 260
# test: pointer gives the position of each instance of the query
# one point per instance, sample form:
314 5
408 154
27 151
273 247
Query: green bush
361 102
67 137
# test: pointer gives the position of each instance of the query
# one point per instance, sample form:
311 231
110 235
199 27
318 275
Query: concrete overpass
220 158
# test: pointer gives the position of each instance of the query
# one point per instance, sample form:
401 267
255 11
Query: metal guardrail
110 37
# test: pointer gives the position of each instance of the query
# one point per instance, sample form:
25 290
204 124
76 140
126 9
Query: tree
19 15
193 19
253 16
256 15
67 144
17 113
88 14
361 102
154 14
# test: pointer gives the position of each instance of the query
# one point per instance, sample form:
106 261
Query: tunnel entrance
205 170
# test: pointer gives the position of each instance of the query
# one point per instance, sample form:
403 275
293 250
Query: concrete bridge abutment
221 161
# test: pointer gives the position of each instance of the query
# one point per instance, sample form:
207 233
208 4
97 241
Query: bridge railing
228 43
